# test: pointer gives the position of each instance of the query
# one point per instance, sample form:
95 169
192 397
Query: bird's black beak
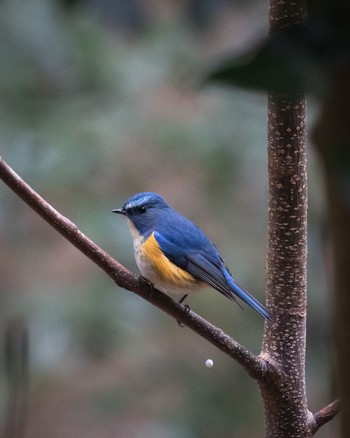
119 211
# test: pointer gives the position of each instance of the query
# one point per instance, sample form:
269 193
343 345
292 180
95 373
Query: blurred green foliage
91 114
303 57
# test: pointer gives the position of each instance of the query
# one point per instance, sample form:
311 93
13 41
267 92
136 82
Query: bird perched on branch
174 254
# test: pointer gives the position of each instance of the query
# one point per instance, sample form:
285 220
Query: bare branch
325 415
260 368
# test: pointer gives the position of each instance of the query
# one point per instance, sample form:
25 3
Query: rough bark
286 412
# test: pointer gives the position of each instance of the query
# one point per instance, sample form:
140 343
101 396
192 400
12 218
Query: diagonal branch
258 367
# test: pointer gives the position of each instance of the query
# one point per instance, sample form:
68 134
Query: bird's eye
141 209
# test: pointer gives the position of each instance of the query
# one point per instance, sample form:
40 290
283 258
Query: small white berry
209 363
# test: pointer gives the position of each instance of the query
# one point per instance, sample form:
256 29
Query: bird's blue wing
206 264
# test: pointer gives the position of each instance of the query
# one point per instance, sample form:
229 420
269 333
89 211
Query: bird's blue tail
247 298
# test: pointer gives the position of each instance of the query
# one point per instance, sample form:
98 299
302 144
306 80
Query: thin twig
259 368
325 415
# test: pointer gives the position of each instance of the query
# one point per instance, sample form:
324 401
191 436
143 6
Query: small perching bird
174 254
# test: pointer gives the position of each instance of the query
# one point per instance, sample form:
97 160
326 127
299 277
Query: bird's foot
187 311
149 284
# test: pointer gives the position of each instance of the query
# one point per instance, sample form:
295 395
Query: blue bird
174 254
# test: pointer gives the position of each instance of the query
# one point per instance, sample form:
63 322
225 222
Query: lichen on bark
286 412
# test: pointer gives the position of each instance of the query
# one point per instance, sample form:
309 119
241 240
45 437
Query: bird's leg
183 299
187 309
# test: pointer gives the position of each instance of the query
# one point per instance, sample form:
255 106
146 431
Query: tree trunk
284 341
286 413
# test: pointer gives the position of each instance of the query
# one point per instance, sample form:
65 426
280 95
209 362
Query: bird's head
143 210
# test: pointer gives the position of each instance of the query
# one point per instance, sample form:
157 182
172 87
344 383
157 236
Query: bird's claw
145 280
186 311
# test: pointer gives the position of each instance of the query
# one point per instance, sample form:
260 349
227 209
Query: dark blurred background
99 100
